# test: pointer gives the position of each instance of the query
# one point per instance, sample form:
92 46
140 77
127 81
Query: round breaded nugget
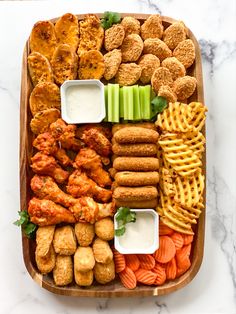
84 232
131 48
185 52
91 65
157 47
161 76
104 229
152 27
114 37
131 25
166 92
175 67
174 34
42 120
104 273
128 74
112 61
149 63
184 87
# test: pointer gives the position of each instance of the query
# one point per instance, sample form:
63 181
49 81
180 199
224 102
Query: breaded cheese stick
136 135
147 125
134 149
137 204
136 163
129 178
140 193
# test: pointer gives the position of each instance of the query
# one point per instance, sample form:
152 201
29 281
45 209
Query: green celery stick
137 109
116 117
130 103
121 103
147 102
110 102
141 100
125 102
106 102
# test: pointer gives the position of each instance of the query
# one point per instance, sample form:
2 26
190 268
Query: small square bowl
139 250
87 100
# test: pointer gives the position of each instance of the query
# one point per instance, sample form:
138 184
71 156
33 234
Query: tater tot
104 273
84 259
84 233
129 178
134 149
136 163
136 135
46 263
44 238
137 204
104 229
102 251
140 193
63 270
146 125
64 241
84 279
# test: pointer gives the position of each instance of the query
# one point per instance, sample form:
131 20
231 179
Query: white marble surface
214 288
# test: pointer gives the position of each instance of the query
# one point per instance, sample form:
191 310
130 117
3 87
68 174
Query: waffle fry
176 118
199 116
166 182
195 141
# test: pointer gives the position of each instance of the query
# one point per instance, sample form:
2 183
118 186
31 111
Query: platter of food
112 155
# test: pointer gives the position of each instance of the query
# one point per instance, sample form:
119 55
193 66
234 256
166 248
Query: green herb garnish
124 216
158 104
28 227
110 18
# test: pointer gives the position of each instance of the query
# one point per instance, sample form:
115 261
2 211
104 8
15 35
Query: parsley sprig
158 104
28 227
110 18
124 216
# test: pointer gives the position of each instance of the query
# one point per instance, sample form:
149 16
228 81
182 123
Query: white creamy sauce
83 102
139 234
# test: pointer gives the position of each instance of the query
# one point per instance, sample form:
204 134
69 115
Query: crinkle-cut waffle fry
181 227
165 200
145 276
198 115
178 240
179 215
164 230
119 261
128 278
175 118
132 261
171 269
161 274
146 261
166 250
179 155
195 141
166 182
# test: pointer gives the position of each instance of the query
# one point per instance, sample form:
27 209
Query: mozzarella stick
129 178
136 163
146 125
141 193
136 135
137 204
134 149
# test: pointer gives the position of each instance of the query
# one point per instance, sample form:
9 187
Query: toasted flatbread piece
42 120
91 65
43 38
64 64
67 30
39 68
44 96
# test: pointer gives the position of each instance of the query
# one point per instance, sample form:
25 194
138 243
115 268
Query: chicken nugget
166 92
84 259
84 279
102 251
156 47
161 76
63 270
131 48
114 37
185 52
184 87
137 204
84 233
43 119
64 241
136 163
152 27
43 38
112 61
140 193
139 149
104 229
129 178
46 263
175 67
67 30
91 65
39 68
147 125
131 25
64 64
174 34
136 135
149 63
44 237
104 273
128 74
45 95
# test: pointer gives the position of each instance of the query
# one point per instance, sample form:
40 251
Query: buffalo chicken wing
97 141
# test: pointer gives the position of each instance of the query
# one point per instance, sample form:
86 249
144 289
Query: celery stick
106 102
125 102
115 116
137 109
130 103
147 102
110 102
141 100
121 103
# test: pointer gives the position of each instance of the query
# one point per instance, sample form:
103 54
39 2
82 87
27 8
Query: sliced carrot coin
128 278
146 261
161 274
188 238
119 261
145 276
132 261
178 240
164 229
166 250
181 271
171 269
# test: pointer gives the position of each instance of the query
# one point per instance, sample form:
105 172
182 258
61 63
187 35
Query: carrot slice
146 261
119 261
164 229
166 250
181 271
178 240
182 256
171 269
145 276
161 274
128 278
188 238
132 261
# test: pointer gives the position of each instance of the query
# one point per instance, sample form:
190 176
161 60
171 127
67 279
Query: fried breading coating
63 270
67 30
152 27
84 279
175 67
137 204
185 52
43 119
44 237
128 74
64 241
45 143
184 87
84 259
91 65
149 63
104 229
131 25
114 37
43 38
45 95
131 48
112 61
39 68
129 178
147 125
156 47
135 135
140 193
91 34
139 149
174 34
166 92
46 263
64 64
85 233
102 251
104 273
161 76
136 163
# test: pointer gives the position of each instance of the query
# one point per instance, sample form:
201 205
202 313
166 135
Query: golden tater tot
136 135
184 87
140 193
104 229
102 251
104 273
152 27
129 178
47 263
64 241
63 270
84 233
84 279
44 237
84 259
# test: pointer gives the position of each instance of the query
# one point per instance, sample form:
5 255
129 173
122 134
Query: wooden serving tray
115 288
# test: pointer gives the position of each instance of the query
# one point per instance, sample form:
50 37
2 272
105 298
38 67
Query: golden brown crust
104 273
137 204
129 178
46 263
184 87
84 279
185 52
128 74
112 61
175 67
157 47
44 237
114 37
102 251
131 48
141 193
149 63
104 229
84 233
136 135
152 27
136 163
63 270
84 259
131 25
174 34
64 241
166 92
161 76
147 125
91 65
42 120
139 149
